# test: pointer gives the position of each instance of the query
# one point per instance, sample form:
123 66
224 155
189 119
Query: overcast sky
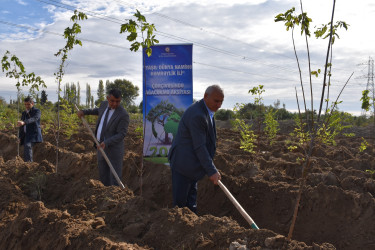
236 44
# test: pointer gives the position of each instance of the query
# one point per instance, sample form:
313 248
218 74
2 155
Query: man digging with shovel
111 128
193 149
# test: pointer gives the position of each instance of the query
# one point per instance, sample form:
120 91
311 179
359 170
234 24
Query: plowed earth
71 209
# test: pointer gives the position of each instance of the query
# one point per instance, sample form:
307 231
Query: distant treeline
251 111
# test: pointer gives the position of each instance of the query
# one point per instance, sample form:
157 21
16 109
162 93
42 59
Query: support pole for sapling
238 206
102 151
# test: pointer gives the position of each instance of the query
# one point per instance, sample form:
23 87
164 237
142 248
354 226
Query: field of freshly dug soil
71 209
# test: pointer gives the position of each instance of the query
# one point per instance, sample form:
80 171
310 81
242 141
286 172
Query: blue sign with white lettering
167 92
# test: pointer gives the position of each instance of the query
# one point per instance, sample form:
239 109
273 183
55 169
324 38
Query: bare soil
42 207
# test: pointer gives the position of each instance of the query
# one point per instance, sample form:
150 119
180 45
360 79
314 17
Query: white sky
236 44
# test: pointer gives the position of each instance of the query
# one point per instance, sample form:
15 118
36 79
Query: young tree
70 34
318 131
257 93
272 126
140 25
146 30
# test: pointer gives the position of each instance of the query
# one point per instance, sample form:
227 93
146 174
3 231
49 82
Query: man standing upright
193 149
29 128
111 128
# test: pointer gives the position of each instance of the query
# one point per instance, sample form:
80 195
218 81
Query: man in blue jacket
30 132
193 148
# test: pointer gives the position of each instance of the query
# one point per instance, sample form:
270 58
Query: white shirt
211 113
111 111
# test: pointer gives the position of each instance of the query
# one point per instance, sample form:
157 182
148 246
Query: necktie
104 125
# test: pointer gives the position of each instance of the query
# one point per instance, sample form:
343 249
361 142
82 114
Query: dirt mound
43 208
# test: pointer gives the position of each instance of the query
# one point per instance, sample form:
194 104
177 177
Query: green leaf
132 36
148 52
314 73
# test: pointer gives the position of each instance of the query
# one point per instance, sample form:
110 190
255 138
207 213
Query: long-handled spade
238 206
102 151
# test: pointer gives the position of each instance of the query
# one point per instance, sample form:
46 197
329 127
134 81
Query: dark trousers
28 151
105 173
184 191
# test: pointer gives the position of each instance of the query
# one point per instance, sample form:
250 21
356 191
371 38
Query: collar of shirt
110 110
211 113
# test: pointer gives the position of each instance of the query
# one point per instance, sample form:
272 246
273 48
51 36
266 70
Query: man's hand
215 178
20 123
102 145
80 113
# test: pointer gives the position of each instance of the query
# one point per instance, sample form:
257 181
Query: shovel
238 206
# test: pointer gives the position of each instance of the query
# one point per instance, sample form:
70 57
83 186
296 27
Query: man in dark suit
111 128
29 128
193 149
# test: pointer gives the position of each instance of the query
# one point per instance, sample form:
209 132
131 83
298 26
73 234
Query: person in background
29 129
193 148
111 128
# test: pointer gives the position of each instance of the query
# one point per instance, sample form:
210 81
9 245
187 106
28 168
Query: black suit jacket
194 146
116 129
32 123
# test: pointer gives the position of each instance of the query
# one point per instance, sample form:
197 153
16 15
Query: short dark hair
28 99
116 93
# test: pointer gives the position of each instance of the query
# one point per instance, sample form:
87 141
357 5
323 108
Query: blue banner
167 92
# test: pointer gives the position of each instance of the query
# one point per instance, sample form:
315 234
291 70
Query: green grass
159 160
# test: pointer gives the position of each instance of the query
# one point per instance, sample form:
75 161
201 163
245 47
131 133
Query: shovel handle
238 206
